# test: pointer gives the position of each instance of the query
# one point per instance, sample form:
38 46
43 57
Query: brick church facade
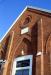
30 34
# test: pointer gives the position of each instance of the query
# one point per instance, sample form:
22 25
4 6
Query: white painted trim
40 9
24 58
24 30
21 68
37 8
39 53
2 61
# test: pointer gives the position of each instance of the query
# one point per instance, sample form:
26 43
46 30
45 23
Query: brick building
29 35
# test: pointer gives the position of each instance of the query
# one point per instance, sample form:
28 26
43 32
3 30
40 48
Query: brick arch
26 40
28 37
22 38
48 55
48 44
25 46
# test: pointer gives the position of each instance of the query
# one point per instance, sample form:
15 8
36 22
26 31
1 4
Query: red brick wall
33 45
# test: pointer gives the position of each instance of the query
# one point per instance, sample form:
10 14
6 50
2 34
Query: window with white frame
22 65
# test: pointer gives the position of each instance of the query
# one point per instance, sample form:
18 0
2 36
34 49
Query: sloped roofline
13 23
40 9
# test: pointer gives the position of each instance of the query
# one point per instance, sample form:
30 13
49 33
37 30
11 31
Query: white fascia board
13 23
40 9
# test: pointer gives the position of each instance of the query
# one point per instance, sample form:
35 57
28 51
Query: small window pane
23 63
22 72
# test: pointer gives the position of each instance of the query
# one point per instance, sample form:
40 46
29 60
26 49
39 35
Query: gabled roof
27 7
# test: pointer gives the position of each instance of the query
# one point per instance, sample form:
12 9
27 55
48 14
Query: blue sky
10 10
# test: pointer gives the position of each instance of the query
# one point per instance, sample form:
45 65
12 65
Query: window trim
20 59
